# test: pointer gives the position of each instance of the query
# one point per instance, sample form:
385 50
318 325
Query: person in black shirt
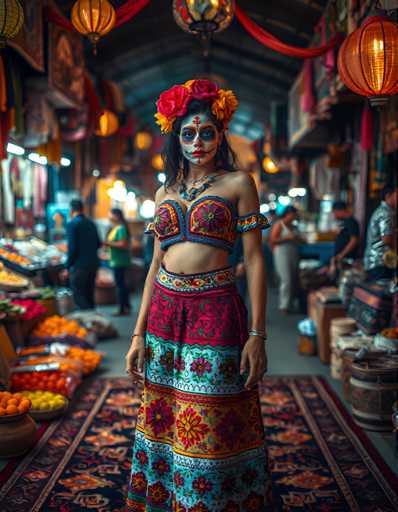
347 241
82 261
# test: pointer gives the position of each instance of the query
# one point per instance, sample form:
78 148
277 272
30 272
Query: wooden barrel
374 389
348 357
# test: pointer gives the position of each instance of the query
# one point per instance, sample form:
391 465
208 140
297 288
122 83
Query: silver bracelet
254 332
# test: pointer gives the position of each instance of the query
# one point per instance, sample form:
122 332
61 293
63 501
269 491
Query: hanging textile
308 99
367 128
26 169
94 105
8 194
40 190
267 39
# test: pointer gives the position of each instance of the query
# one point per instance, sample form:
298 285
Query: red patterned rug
319 459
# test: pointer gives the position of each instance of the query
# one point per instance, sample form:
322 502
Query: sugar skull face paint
199 139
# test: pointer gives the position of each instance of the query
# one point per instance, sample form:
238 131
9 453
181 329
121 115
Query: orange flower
224 106
165 123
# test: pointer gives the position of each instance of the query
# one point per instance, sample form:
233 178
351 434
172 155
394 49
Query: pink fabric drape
308 98
367 128
267 39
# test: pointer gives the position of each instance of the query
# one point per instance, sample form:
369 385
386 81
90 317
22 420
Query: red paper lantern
368 60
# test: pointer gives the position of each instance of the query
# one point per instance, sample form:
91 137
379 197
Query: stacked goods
387 339
10 281
33 309
44 400
10 309
65 364
59 326
12 404
14 257
45 377
371 306
89 359
339 327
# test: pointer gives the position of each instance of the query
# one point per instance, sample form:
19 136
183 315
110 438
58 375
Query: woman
284 242
199 441
118 242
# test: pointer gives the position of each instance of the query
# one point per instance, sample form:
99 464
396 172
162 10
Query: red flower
201 485
142 457
159 415
161 466
138 483
203 89
178 479
158 493
230 428
174 101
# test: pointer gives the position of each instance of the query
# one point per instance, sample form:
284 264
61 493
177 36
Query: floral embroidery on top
211 220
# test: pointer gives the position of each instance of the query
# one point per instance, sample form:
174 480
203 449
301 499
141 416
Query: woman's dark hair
173 160
117 212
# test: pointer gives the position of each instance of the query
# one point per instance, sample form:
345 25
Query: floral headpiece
174 102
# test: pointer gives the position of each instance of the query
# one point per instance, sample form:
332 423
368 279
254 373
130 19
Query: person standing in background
284 242
82 261
118 241
380 235
347 240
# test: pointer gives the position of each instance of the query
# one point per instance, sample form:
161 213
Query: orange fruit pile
13 403
14 257
89 358
58 326
55 381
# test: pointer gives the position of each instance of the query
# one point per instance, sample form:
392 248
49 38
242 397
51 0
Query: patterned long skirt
199 439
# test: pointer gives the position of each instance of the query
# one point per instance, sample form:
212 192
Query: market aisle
282 354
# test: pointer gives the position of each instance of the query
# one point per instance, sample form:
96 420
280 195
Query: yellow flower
166 124
224 106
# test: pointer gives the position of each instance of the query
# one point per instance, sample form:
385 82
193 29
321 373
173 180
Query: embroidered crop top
211 220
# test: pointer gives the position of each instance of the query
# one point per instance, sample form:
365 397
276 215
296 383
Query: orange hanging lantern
108 124
93 18
270 166
11 20
368 60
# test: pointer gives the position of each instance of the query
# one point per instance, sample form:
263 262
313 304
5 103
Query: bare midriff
193 258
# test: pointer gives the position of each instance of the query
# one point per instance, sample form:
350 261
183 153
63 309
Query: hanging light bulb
270 166
93 18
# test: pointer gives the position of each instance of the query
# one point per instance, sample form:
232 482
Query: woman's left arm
253 354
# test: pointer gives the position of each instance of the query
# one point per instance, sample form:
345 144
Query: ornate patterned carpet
319 460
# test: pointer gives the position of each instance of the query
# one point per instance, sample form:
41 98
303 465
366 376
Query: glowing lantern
93 18
269 166
143 141
108 124
157 162
203 16
368 59
11 20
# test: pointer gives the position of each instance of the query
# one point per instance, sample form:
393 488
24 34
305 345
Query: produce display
58 326
9 279
44 293
33 309
89 359
50 379
10 309
390 333
45 400
14 257
64 364
13 403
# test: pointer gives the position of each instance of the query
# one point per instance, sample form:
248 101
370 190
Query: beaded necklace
193 192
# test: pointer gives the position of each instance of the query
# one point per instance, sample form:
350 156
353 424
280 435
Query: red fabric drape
124 13
308 98
267 39
94 105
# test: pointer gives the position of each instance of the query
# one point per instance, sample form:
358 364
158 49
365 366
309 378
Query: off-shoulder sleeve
150 229
252 221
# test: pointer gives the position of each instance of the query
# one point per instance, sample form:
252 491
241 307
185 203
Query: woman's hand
135 358
254 356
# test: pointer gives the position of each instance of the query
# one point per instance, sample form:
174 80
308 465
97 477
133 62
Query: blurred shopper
347 241
118 241
380 235
284 242
82 262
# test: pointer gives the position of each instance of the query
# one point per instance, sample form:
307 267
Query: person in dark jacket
82 261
